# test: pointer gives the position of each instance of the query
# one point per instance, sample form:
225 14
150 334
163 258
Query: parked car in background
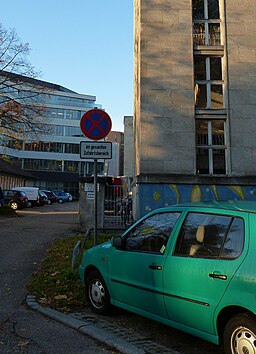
32 193
63 196
189 266
15 199
43 199
51 196
70 198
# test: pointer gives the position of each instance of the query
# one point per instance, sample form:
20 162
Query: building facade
195 101
129 150
12 176
54 158
115 166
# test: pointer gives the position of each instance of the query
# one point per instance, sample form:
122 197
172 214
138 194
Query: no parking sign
95 124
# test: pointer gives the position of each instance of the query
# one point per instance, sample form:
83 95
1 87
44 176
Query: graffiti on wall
154 196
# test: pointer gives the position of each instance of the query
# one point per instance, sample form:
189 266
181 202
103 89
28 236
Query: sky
84 45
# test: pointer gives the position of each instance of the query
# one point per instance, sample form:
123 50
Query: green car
192 267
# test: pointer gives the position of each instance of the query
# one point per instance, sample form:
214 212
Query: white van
32 193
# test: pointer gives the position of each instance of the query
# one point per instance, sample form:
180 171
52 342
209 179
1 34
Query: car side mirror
117 242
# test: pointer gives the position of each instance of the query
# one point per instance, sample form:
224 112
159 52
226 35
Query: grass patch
55 285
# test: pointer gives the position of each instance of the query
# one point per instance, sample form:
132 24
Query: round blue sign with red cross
95 124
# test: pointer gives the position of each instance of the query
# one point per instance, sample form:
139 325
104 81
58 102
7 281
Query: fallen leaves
60 297
23 343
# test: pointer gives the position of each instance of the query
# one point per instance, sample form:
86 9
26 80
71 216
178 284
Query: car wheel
60 201
97 294
14 205
49 202
240 334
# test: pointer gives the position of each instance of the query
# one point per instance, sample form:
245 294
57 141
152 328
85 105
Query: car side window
210 236
234 242
152 234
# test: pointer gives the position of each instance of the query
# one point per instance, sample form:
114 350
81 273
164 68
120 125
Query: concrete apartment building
195 101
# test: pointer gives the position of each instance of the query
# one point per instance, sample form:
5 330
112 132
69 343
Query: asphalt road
23 243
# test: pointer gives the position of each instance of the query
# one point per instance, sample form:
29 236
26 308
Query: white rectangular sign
90 195
89 187
95 150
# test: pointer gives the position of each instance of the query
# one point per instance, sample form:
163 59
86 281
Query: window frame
210 147
206 22
209 82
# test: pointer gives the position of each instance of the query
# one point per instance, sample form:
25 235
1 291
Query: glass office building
54 157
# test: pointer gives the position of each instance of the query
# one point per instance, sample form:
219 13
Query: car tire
240 334
49 202
60 201
14 205
97 294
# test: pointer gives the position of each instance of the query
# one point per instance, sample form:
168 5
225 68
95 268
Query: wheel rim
243 341
97 293
14 206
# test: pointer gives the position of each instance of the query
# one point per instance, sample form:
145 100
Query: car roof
232 205
12 190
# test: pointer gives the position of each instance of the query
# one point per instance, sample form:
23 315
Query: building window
72 131
72 148
43 165
44 146
208 82
210 147
71 166
59 113
206 22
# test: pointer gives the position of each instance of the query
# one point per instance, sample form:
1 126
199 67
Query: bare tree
21 94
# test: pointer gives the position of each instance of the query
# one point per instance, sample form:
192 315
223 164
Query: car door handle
218 276
155 267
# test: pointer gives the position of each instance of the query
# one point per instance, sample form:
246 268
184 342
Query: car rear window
211 236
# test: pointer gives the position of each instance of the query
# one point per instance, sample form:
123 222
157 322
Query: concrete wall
241 49
86 206
128 147
153 196
164 90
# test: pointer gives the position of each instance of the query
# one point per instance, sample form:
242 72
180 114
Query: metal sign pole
95 125
95 203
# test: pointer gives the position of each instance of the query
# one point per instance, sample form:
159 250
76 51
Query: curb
85 328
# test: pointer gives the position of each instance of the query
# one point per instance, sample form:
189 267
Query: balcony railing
205 33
